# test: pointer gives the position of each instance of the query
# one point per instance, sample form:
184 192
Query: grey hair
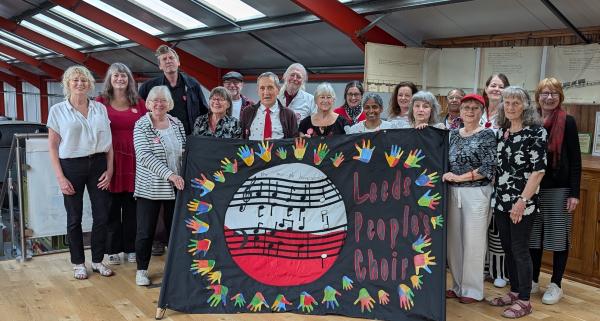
158 91
221 91
271 75
530 115
131 91
73 71
375 98
325 88
431 100
287 72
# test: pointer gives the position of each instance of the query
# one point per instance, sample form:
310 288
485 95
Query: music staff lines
257 230
332 256
261 179
272 240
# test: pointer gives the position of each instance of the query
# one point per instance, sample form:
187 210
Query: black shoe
158 249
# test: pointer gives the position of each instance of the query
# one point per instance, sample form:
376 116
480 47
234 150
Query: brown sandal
505 300
514 313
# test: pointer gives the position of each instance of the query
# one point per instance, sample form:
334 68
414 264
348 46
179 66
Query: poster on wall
387 65
578 68
450 68
350 225
522 65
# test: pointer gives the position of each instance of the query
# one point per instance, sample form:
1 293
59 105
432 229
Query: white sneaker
141 278
131 257
114 259
552 295
499 282
535 287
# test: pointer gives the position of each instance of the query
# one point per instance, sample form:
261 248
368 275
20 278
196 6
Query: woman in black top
520 168
559 193
324 122
218 122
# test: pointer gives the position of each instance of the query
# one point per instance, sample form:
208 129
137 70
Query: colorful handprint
299 148
199 246
246 154
347 283
219 295
219 177
413 159
416 281
320 153
202 267
203 184
422 242
329 298
281 152
197 226
394 157
428 200
423 261
437 221
257 302
427 180
199 207
228 166
306 302
406 295
239 300
215 277
280 303
365 152
384 297
264 151
338 159
365 300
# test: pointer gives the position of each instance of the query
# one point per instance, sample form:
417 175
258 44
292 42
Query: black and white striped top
152 171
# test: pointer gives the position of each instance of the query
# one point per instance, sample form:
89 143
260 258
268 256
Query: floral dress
227 127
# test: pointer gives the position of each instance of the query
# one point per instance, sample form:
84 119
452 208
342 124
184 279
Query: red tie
268 127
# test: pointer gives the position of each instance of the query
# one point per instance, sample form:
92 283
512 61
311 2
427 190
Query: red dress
121 127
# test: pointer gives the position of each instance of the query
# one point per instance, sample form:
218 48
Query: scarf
353 112
289 98
555 125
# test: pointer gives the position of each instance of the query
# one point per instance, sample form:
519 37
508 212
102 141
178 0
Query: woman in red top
352 110
124 107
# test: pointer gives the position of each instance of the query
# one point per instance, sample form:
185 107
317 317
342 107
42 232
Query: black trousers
515 243
147 218
559 264
84 172
121 224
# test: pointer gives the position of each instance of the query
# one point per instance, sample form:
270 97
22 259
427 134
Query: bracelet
523 198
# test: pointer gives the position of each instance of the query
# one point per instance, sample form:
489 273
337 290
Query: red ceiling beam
20 100
54 72
2 107
44 108
92 63
347 21
9 79
23 74
207 74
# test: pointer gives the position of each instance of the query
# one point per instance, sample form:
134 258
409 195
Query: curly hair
429 98
71 73
530 114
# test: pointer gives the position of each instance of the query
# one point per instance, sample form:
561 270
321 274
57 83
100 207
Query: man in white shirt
293 94
233 81
268 119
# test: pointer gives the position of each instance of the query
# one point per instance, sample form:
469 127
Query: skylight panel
24 43
68 30
236 10
169 13
125 17
21 49
6 57
88 23
50 35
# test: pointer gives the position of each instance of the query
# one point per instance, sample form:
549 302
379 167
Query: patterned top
519 155
477 151
227 127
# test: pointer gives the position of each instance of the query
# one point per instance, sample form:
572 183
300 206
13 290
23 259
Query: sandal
451 294
523 309
508 299
102 269
80 272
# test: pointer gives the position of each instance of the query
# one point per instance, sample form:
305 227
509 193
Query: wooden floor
44 289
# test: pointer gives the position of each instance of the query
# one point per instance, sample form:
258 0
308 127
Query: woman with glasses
218 122
159 141
452 119
397 112
472 158
559 190
324 122
352 109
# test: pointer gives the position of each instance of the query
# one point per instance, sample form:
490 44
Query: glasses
546 95
353 94
454 97
159 100
325 97
219 99
468 108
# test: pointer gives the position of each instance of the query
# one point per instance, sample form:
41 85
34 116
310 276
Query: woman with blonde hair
325 122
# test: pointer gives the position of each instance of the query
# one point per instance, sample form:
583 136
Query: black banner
349 225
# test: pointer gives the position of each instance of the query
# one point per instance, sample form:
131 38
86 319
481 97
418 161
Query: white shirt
236 108
303 104
400 122
80 136
360 127
172 148
258 124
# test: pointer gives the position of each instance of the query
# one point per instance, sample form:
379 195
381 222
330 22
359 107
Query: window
169 14
233 9
125 17
87 23
68 30
25 43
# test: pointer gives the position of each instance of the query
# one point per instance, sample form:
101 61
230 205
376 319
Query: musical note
274 194
283 224
245 240
246 195
260 208
325 218
289 211
322 199
323 257
256 231
301 227
302 210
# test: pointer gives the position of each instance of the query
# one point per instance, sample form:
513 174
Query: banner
349 225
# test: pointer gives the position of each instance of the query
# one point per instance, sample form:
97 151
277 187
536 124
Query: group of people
126 148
